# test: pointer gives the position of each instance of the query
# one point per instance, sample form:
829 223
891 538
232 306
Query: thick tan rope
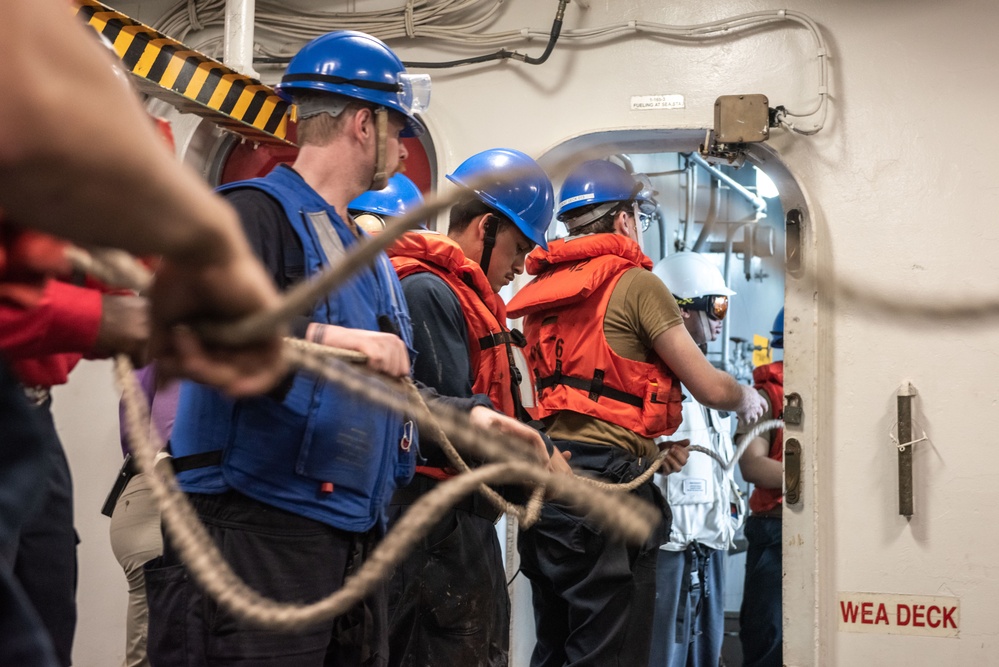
304 295
748 437
756 431
620 515
209 568
526 515
114 268
206 564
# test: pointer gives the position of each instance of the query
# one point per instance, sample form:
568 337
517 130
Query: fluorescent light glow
764 186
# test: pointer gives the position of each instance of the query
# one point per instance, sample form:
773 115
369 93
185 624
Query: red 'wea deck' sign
899 614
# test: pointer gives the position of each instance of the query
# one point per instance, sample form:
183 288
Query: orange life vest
489 340
573 365
770 379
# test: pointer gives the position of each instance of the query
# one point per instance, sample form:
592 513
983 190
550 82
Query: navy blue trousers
23 469
42 553
594 596
760 629
283 556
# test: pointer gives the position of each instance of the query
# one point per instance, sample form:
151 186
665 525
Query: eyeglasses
715 305
645 212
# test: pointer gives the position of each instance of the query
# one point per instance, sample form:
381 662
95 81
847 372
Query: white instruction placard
644 102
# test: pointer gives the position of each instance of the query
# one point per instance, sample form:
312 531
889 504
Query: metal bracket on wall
905 396
793 222
792 471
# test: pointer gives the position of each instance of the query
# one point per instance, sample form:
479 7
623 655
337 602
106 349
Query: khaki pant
135 540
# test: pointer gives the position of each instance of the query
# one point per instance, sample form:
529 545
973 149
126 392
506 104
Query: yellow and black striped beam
191 81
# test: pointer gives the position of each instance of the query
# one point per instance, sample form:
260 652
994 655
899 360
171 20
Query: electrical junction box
742 119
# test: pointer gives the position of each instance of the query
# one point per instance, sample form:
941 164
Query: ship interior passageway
731 213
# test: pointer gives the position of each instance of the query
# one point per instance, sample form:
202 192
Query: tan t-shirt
640 308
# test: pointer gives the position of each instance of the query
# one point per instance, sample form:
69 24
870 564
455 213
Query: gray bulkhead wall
901 197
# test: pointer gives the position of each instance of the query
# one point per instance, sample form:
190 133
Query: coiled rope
619 514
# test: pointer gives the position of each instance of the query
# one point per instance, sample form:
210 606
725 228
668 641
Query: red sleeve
66 319
27 259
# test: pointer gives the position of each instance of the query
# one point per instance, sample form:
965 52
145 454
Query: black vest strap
193 461
508 338
594 387
503 338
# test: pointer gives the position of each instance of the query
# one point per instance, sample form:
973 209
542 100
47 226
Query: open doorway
734 215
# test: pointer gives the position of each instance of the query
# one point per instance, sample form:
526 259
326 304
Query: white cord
456 22
755 432
902 445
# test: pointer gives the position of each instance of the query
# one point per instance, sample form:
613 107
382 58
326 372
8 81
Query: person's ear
363 124
480 226
621 223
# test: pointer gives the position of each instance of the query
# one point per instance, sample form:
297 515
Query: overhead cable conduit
455 22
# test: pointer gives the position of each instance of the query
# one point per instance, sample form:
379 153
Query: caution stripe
189 80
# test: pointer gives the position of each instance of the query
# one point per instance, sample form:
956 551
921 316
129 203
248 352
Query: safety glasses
645 212
715 305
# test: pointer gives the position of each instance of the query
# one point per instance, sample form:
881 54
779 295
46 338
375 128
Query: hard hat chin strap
488 243
590 216
381 177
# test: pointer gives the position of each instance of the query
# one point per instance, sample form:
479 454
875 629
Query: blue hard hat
356 65
526 197
777 332
397 198
598 182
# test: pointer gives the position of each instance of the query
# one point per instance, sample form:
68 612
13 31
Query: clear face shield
415 93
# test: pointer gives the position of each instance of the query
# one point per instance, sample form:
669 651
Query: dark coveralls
448 603
574 567
23 470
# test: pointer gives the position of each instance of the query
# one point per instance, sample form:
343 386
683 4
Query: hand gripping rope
616 512
619 514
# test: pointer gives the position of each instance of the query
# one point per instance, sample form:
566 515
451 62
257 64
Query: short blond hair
321 129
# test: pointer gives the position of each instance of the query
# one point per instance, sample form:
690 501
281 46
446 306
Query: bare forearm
719 390
759 469
710 386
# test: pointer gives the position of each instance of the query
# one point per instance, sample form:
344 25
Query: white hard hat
689 275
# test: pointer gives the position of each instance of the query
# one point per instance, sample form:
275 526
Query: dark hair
602 225
467 209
